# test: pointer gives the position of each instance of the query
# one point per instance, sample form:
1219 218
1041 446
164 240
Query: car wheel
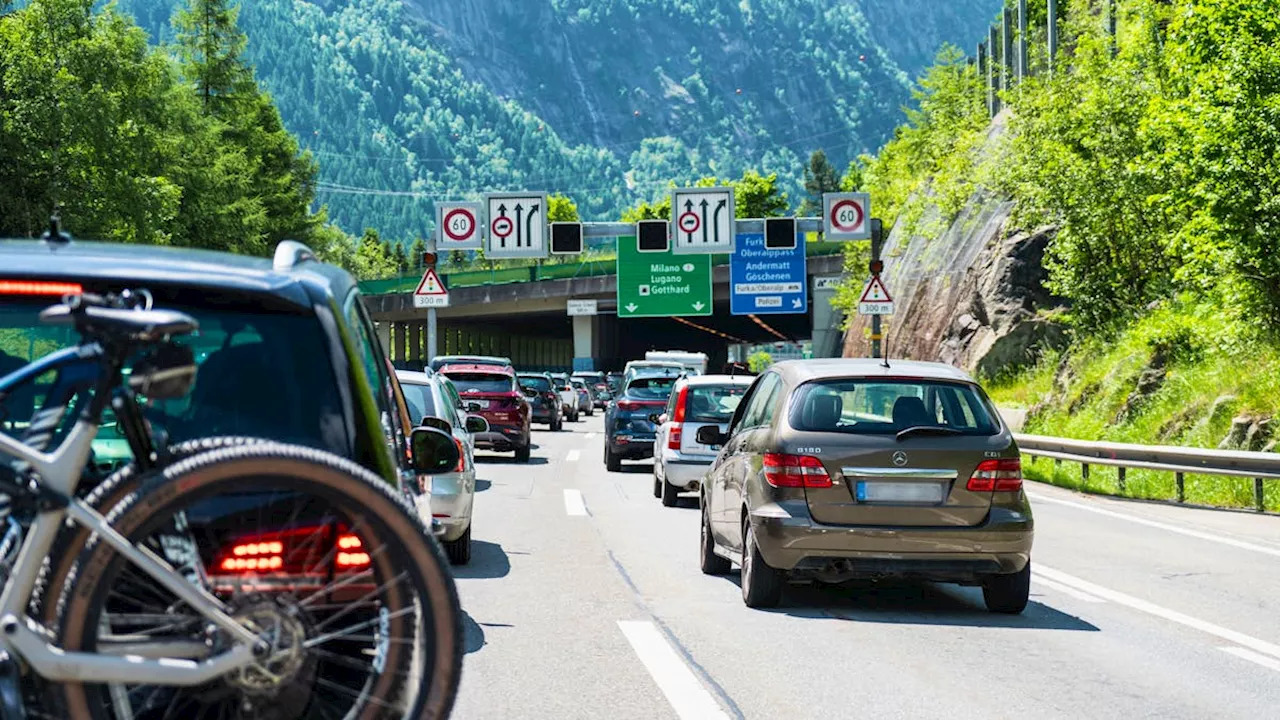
557 425
1008 593
712 564
459 551
575 416
657 483
670 494
612 462
591 412
761 584
522 454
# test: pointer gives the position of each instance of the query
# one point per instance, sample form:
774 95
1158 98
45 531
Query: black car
543 398
285 348
629 431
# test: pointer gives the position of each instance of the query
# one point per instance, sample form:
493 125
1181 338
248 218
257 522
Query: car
586 404
451 495
833 470
636 367
491 391
628 426
679 460
544 399
598 387
440 361
613 381
568 396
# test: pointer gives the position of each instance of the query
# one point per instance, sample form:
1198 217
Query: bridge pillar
399 338
384 337
828 337
415 342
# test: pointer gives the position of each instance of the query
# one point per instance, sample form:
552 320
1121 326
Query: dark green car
833 470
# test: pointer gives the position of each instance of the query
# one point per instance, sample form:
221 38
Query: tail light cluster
303 551
1000 475
638 405
795 471
40 288
676 435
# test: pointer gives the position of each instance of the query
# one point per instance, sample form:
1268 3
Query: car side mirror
438 423
433 450
473 406
658 418
710 435
476 424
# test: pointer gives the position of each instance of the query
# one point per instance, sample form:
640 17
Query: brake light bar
794 471
39 287
999 475
675 436
301 551
348 560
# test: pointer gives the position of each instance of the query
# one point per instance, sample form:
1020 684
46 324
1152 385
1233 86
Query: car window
651 388
671 404
761 401
538 383
481 382
872 407
712 403
370 356
421 402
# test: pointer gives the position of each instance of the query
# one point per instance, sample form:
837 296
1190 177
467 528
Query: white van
694 363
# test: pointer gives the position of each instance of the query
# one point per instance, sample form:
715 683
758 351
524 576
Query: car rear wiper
927 430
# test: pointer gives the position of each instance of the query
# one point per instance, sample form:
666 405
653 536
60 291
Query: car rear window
480 382
713 403
884 407
651 388
540 384
421 401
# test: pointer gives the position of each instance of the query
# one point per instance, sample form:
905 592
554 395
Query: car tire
712 564
591 411
522 454
612 462
459 551
657 484
670 494
1008 594
557 425
761 584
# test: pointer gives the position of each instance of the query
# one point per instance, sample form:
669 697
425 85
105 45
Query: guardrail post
1120 479
1084 472
1259 495
1179 486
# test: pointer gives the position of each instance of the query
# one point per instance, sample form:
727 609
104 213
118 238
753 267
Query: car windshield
886 407
421 401
534 382
480 382
260 374
713 403
650 388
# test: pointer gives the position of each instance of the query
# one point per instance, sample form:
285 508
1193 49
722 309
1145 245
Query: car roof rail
290 254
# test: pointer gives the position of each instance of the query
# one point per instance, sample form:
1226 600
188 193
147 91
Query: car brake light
628 405
39 287
675 436
300 551
350 553
462 456
679 412
1001 475
793 471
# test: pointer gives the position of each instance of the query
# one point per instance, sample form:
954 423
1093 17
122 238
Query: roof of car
804 370
414 377
478 368
143 264
486 359
696 380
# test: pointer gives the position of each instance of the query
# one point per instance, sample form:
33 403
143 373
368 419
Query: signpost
431 293
875 298
459 225
517 225
764 281
583 307
659 284
702 220
846 216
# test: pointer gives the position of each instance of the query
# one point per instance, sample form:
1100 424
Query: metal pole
877 239
993 75
431 313
1022 40
982 72
1053 33
1006 49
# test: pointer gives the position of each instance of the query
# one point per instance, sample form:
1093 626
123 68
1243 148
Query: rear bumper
683 471
543 416
633 448
792 541
502 439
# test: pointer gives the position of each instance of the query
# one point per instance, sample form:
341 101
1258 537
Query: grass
1213 374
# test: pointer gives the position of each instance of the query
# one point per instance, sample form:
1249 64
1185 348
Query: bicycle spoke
322 639
360 601
348 691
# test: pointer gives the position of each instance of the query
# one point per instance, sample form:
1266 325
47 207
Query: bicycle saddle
93 317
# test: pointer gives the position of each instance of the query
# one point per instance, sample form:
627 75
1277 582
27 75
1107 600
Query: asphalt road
584 600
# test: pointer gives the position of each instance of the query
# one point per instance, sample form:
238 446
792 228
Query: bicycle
273 580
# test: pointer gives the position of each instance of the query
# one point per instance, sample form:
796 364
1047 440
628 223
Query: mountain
603 100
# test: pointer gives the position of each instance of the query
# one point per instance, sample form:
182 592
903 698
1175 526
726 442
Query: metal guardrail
1179 460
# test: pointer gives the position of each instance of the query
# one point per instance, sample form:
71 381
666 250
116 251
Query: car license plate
931 493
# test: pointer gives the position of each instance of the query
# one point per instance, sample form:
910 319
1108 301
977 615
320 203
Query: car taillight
1002 475
793 471
462 456
679 413
301 551
675 436
351 553
39 287
628 405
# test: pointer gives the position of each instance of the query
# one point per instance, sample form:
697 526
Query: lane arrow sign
631 307
528 223
698 306
519 230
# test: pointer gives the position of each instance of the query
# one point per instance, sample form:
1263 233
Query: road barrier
1260 466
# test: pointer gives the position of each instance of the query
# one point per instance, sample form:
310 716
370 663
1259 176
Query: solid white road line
1064 589
573 503
1239 638
573 456
687 696
1037 497
1251 656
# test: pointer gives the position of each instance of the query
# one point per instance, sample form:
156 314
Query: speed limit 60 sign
459 226
846 216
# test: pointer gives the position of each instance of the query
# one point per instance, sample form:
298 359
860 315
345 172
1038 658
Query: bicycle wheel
364 614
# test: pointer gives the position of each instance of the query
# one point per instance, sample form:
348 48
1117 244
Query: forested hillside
605 100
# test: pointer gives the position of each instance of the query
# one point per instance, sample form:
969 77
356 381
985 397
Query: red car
492 392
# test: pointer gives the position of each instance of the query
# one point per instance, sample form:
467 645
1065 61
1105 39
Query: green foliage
561 209
754 196
759 361
819 177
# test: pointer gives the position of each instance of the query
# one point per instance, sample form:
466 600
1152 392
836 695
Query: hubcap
284 633
747 541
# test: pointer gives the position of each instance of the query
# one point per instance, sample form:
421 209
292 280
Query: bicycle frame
58 473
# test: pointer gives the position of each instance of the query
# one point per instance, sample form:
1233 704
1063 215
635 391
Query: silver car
448 497
679 461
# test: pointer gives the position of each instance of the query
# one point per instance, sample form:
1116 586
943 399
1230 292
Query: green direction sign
661 284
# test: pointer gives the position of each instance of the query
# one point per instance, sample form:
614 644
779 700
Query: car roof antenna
55 233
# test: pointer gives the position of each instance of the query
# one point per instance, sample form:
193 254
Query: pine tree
418 247
210 48
819 177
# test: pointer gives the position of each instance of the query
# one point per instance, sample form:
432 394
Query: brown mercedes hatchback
833 470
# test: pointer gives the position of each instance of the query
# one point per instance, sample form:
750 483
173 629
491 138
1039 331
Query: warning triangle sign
875 291
430 284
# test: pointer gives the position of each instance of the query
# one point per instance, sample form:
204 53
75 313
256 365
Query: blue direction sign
764 281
